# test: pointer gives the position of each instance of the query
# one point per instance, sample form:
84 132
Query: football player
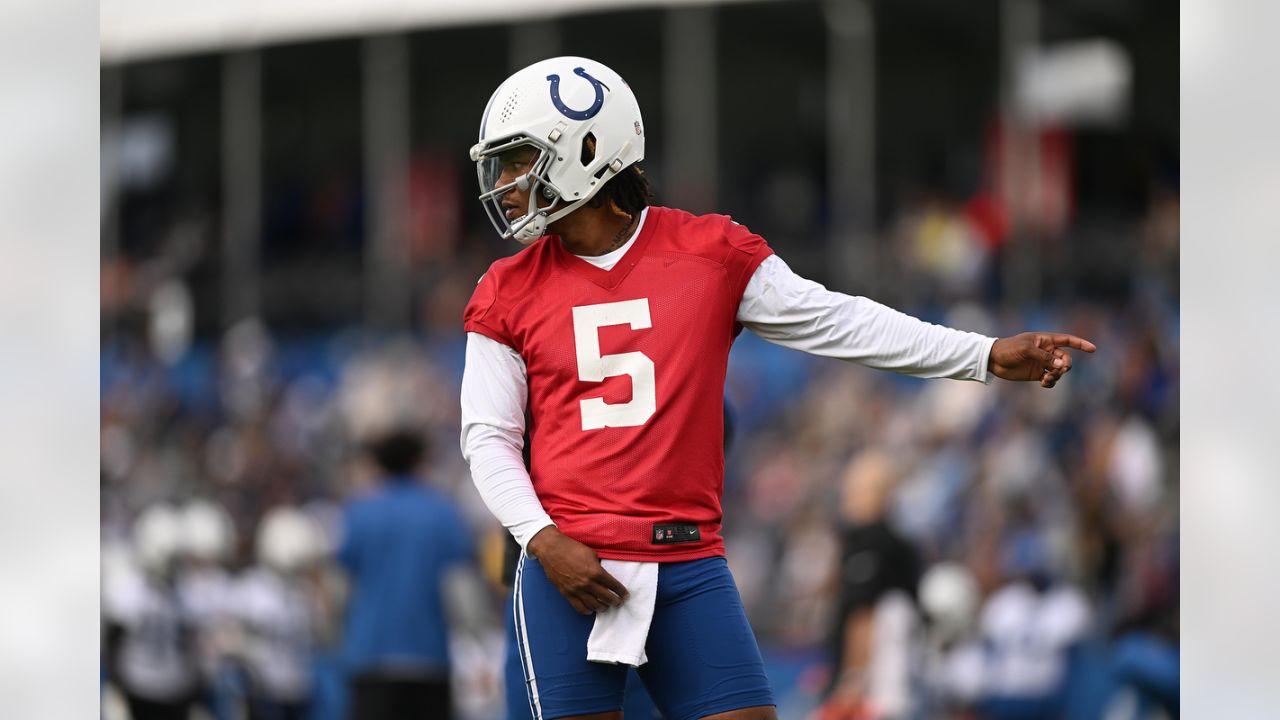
608 338
150 641
205 591
276 603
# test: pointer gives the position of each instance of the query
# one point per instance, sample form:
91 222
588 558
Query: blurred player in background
149 638
206 592
397 545
607 338
276 603
949 600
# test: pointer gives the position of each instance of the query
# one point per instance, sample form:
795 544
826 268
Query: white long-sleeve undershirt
792 311
777 305
494 392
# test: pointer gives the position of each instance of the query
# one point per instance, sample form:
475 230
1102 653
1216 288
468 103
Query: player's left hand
1035 356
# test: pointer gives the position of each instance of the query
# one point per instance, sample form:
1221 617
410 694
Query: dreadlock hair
628 191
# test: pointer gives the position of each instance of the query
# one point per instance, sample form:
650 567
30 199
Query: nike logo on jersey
670 533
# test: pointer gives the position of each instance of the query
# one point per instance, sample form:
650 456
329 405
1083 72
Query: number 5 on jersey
594 367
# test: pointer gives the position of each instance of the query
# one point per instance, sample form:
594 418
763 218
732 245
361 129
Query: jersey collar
608 279
610 259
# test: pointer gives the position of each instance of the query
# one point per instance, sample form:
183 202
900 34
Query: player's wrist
542 539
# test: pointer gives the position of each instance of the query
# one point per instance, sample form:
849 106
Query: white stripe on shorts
522 638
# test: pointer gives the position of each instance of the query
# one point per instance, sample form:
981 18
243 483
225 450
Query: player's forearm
501 478
503 483
883 338
493 396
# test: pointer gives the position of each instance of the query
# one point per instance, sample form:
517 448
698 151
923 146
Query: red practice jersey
626 371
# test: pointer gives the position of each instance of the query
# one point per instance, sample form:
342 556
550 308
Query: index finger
610 582
1063 339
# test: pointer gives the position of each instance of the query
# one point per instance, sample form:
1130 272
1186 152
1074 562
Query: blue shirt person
398 544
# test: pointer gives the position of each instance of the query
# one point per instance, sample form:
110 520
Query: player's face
512 164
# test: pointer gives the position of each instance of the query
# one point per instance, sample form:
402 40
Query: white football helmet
288 540
208 533
157 538
535 129
949 595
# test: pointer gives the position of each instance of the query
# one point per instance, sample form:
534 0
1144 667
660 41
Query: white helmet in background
288 540
208 534
1064 617
949 596
553 108
157 538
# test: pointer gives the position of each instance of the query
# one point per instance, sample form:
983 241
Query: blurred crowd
252 563
904 548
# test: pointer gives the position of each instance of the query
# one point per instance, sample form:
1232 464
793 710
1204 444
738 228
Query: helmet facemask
527 160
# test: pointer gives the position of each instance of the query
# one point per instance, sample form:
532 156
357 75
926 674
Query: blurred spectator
944 250
879 570
397 543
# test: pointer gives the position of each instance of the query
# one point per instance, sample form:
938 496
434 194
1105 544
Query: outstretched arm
792 311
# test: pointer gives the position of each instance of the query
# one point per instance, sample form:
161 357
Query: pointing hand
1035 356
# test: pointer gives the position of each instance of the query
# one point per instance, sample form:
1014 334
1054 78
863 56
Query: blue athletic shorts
703 657
636 704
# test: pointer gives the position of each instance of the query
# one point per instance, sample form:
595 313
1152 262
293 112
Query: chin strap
532 230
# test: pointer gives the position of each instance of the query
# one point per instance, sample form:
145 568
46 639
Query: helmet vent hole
588 149
513 102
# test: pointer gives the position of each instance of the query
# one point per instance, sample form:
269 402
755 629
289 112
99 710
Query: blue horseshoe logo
570 112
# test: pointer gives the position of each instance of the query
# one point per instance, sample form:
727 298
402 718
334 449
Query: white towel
620 633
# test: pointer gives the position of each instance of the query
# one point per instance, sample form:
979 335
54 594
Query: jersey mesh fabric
608 487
